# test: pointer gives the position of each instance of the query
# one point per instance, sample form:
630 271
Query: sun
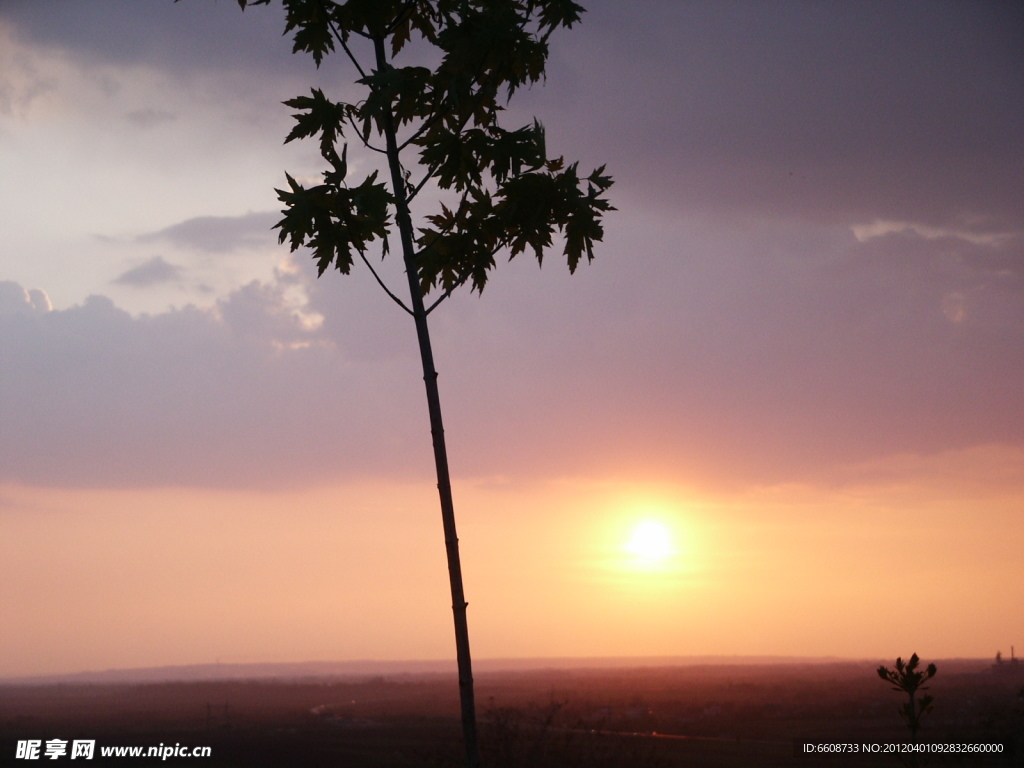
650 542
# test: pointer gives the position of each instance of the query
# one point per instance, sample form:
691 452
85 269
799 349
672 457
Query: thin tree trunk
444 487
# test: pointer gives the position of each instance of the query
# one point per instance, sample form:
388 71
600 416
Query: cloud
183 37
774 353
833 112
780 353
154 271
242 395
219 234
816 261
148 118
21 82
15 300
842 113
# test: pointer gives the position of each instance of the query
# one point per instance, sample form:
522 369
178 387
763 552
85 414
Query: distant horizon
253 671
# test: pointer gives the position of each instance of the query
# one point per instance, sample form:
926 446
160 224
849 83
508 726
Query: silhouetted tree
436 126
906 678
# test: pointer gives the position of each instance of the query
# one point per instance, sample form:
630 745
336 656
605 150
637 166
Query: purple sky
733 317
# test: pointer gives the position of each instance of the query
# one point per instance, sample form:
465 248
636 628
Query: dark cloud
775 353
193 35
154 271
218 234
836 111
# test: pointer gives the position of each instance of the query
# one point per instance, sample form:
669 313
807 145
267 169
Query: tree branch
478 97
398 18
419 131
380 282
348 52
366 142
416 190
341 39
445 230
461 281
463 278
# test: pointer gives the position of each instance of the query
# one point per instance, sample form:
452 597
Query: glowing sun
650 542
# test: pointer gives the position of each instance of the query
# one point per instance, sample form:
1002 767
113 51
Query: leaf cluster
523 214
316 24
442 125
906 678
334 220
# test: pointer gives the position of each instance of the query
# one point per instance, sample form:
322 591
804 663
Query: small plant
906 678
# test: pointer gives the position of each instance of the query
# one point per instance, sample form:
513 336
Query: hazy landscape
769 439
588 713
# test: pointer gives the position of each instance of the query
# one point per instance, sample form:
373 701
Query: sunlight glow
651 542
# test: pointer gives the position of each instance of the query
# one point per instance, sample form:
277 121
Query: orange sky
105 579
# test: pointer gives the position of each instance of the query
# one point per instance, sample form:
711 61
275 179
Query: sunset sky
796 363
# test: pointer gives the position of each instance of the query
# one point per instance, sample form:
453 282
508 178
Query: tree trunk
444 487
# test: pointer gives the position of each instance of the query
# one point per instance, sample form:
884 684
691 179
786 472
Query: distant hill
371 668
